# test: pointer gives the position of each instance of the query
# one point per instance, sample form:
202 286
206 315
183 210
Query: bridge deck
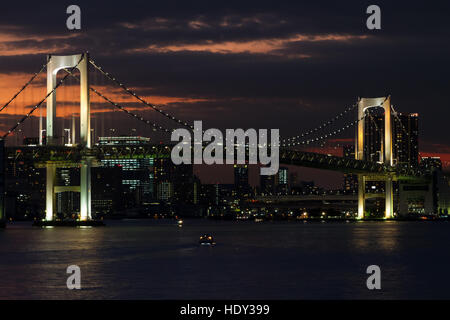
73 155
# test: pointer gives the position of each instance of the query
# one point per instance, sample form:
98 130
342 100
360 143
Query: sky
243 64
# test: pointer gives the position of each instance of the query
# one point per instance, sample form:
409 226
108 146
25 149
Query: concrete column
85 117
389 213
361 196
40 127
359 150
388 160
85 191
50 192
52 70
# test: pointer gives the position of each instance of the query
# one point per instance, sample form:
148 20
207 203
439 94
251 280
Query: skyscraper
241 180
25 185
405 129
268 184
405 137
431 163
350 179
373 134
137 173
175 183
283 181
107 190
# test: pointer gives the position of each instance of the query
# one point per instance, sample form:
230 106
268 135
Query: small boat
206 240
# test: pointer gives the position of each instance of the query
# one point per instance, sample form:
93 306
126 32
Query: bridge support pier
388 194
50 192
361 196
389 199
85 189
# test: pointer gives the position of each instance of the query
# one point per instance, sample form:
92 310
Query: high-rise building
268 184
373 134
107 190
405 147
209 194
184 185
164 191
137 173
440 185
431 163
293 179
283 181
25 185
350 179
241 180
405 137
405 129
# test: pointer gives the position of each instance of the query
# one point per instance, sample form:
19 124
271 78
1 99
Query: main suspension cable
136 116
322 126
132 93
328 135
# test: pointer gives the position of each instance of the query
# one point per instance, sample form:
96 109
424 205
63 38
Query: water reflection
367 237
157 260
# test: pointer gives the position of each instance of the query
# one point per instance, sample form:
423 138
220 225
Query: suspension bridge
80 150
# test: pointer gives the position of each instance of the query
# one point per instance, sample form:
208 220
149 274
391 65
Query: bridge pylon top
56 63
363 105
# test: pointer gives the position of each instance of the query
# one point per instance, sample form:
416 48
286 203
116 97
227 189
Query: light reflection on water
271 260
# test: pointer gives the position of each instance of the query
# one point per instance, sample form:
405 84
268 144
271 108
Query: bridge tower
387 159
56 63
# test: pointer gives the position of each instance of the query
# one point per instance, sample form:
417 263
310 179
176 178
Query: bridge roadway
71 156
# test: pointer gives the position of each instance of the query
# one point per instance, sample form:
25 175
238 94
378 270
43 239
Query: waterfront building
268 184
406 139
350 179
241 183
137 173
108 196
283 181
